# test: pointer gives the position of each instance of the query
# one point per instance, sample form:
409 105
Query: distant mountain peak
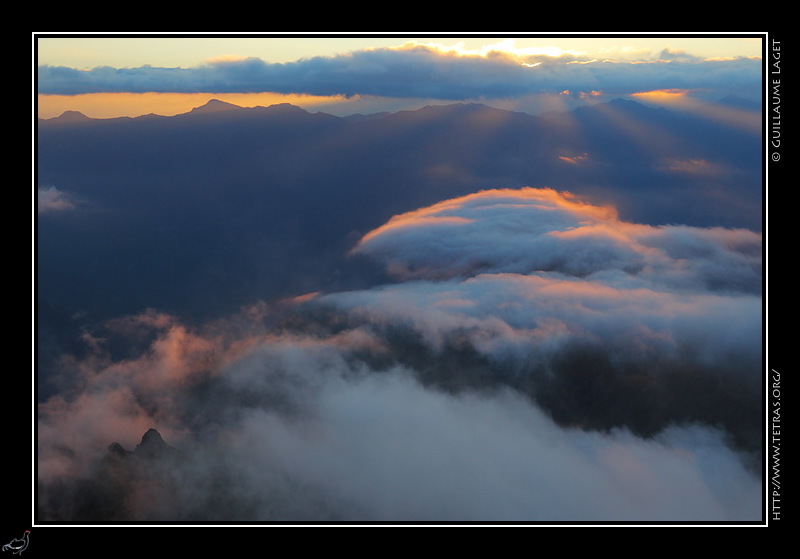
151 438
117 449
215 106
70 116
622 102
286 108
152 445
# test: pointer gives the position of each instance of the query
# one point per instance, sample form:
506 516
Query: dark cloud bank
415 71
465 352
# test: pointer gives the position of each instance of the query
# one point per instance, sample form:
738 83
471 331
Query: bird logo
17 545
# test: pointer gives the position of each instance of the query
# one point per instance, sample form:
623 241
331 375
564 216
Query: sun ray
685 100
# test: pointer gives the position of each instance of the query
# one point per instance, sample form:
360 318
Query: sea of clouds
534 358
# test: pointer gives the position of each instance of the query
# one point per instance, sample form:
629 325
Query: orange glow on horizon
112 105
662 96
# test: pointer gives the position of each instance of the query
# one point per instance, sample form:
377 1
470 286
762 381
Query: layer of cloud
556 296
537 360
415 71
297 428
535 230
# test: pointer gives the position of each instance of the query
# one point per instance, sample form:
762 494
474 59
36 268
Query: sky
473 349
346 74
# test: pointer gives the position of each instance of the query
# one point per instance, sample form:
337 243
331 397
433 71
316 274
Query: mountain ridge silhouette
266 202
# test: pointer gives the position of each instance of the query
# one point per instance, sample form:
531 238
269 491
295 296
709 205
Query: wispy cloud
50 199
